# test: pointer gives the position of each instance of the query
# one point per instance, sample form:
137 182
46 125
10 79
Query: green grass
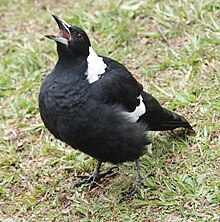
173 48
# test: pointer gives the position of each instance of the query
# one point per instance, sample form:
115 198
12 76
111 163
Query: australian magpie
94 104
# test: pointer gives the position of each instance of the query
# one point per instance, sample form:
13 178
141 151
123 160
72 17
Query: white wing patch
139 111
96 66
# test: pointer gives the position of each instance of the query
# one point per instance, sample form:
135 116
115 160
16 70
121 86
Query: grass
172 47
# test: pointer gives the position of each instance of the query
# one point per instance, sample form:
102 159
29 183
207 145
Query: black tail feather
159 118
170 121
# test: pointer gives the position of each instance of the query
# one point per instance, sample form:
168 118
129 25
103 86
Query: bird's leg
92 179
137 184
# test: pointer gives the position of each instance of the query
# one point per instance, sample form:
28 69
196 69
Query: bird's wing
117 86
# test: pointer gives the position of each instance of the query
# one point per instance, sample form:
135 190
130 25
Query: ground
172 47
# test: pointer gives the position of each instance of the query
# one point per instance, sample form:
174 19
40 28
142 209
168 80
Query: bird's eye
79 37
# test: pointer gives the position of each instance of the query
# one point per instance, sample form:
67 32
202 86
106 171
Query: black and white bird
94 104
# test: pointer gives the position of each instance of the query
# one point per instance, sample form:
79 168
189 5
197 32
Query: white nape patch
139 111
96 66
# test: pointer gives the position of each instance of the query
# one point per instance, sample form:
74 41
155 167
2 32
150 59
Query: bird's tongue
65 34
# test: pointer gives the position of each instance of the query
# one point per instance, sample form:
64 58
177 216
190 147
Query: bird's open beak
64 35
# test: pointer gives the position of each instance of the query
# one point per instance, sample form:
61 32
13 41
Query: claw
109 172
86 179
91 180
132 192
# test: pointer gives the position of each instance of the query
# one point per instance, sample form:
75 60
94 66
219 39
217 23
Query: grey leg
137 184
92 179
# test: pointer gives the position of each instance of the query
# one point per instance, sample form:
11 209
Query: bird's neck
70 68
64 55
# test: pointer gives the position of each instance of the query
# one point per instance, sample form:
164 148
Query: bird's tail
159 118
170 121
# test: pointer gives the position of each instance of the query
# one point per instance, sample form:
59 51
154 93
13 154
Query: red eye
79 36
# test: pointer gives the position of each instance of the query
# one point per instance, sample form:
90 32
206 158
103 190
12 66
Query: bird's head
71 38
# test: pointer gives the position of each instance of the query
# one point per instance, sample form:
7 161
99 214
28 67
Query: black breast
59 102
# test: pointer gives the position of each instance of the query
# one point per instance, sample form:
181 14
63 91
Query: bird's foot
91 180
134 190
